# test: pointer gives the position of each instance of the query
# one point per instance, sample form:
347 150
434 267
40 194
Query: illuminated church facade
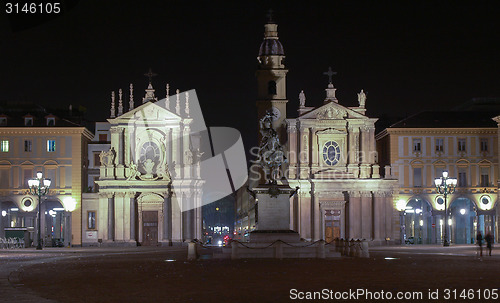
332 158
150 187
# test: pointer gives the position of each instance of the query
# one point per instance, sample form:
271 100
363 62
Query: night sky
408 55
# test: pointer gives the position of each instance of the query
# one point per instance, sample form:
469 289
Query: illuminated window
417 145
28 121
91 220
331 153
51 145
4 146
417 176
485 176
439 145
461 145
462 177
484 145
27 146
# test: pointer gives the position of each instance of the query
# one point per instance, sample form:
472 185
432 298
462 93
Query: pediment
148 111
332 111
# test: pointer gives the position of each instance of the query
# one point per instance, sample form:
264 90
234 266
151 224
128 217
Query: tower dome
271 44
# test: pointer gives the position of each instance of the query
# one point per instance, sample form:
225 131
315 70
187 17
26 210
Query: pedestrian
489 239
479 241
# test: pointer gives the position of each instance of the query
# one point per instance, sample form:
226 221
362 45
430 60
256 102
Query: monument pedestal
273 237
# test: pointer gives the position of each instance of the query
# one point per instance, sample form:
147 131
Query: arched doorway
418 222
463 219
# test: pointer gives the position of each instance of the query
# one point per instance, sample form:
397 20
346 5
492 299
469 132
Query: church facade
150 187
332 158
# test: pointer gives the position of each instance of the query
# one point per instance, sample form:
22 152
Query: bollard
191 251
352 249
365 251
345 251
358 248
337 244
321 250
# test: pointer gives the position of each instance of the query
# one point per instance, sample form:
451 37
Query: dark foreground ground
162 275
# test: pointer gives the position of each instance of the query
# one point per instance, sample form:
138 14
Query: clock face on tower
150 150
331 153
276 113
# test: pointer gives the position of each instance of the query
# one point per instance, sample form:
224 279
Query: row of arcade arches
423 224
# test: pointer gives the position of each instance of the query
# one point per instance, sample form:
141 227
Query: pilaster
366 215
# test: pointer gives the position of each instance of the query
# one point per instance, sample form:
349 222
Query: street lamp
39 187
445 186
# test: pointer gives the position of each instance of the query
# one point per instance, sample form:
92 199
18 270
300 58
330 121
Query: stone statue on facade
163 172
107 158
302 99
361 99
271 154
133 172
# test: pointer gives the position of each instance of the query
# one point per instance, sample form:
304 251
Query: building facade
149 186
331 157
419 149
33 140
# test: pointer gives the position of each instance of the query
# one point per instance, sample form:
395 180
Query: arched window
271 88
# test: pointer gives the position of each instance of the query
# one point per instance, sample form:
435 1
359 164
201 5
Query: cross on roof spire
329 73
150 75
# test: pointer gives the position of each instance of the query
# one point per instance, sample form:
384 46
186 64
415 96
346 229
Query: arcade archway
463 221
418 222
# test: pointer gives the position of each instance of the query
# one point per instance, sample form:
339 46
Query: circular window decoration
27 202
331 153
440 200
485 200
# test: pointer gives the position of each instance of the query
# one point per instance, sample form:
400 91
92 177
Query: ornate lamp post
39 186
445 186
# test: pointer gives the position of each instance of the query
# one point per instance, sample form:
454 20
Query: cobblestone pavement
165 275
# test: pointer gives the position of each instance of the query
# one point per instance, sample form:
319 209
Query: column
305 214
365 150
366 215
167 218
389 214
292 147
188 213
373 150
176 156
354 215
314 147
187 153
126 148
131 197
176 217
102 216
303 154
198 219
353 156
316 218
111 217
379 216
120 217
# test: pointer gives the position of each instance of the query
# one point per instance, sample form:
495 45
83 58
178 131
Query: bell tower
271 78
